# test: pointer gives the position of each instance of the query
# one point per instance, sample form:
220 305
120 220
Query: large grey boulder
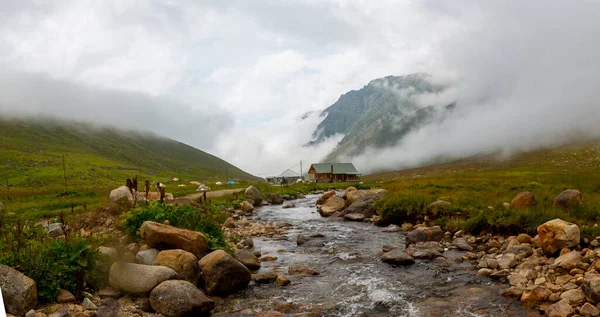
568 199
19 291
248 259
179 299
138 279
163 236
363 203
332 205
223 274
55 229
146 257
123 192
253 194
398 257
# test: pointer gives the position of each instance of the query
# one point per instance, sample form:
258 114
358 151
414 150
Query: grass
473 185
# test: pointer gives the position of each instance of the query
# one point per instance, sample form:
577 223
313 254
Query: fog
526 77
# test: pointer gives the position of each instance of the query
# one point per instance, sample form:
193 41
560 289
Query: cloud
527 80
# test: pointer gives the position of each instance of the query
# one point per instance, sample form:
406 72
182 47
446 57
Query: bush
185 216
72 264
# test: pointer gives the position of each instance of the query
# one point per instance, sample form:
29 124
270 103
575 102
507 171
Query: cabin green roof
338 168
289 173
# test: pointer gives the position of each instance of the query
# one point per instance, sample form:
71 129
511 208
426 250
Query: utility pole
179 177
226 174
301 169
65 172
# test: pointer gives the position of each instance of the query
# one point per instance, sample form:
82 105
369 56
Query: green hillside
31 154
378 115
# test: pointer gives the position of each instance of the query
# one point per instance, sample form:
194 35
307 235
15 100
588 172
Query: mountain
379 114
31 153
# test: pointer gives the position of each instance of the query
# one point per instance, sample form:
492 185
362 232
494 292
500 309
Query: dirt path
215 193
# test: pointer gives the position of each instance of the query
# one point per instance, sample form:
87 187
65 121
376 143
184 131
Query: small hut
333 172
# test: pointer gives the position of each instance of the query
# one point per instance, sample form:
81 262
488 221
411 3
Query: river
353 282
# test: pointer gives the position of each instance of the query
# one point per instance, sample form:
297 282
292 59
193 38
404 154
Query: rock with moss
19 291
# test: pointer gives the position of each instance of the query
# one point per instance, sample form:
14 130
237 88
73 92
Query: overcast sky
234 77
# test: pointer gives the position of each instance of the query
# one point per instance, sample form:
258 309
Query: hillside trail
214 193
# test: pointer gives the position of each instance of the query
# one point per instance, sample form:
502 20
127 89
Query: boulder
560 309
424 234
123 192
109 307
253 194
591 287
574 296
349 190
557 234
398 257
282 280
163 236
19 291
248 259
352 196
180 261
439 206
64 296
523 200
354 217
302 270
275 199
55 229
569 261
332 205
264 277
146 257
247 207
462 244
138 279
180 299
589 310
321 200
223 274
110 252
365 203
568 199
314 240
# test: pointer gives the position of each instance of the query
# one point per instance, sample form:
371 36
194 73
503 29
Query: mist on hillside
522 87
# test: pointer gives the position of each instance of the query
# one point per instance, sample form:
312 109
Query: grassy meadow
477 188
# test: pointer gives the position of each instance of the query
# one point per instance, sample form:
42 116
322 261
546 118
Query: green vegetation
476 184
72 263
31 153
206 220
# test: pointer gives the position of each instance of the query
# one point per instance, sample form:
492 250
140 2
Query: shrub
72 264
185 216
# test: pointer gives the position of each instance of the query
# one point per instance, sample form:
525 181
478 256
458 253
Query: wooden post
65 172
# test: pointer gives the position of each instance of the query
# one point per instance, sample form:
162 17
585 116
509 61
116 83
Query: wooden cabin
333 172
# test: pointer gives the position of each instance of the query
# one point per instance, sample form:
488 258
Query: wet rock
254 194
163 236
302 270
365 203
557 234
569 261
180 261
267 258
180 299
462 244
282 280
568 199
19 291
500 274
223 274
560 309
146 257
424 234
354 217
523 200
64 296
332 205
397 257
109 307
265 277
438 207
248 259
532 297
138 279
513 292
275 199
589 310
286 206
391 228
485 272
321 200
314 240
